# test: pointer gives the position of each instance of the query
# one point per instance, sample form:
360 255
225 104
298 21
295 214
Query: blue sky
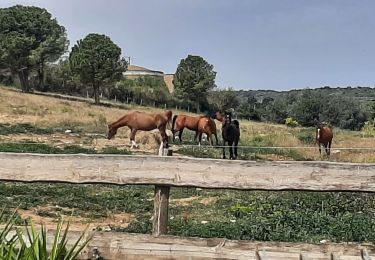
253 44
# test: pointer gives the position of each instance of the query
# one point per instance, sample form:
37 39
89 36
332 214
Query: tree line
34 51
33 47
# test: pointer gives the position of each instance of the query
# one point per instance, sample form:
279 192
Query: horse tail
173 122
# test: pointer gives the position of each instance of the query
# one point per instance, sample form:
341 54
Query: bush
33 244
290 122
368 130
307 136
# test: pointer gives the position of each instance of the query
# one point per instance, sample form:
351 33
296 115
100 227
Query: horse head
219 115
112 131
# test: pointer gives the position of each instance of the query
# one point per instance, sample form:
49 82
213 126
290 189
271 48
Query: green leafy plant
368 130
307 135
34 247
290 122
31 244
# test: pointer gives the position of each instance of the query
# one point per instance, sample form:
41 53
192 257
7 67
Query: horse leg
329 148
230 144
224 157
132 138
173 135
196 136
180 134
320 150
164 137
200 138
326 148
235 148
217 141
209 137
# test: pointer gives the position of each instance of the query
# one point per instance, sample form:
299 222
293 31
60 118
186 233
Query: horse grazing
144 122
324 136
207 125
179 123
230 131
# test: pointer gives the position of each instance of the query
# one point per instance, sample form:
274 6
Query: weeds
32 245
6 129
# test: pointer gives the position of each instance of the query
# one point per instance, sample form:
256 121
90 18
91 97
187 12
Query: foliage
290 122
28 37
6 129
255 215
32 245
114 150
347 108
307 135
193 79
96 59
86 201
223 99
368 129
148 90
308 108
31 147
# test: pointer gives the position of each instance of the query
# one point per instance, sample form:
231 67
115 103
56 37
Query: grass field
31 123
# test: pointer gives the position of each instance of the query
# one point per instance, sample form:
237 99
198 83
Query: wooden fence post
160 218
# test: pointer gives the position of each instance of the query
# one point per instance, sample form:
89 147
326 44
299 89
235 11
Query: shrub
33 244
307 136
368 130
290 122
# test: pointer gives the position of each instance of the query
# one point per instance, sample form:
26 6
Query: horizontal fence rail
275 147
117 246
164 172
194 172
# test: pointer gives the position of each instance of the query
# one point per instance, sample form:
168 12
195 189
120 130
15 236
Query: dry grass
52 112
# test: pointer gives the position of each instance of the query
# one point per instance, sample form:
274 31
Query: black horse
231 134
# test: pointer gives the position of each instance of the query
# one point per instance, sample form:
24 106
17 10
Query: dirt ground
76 223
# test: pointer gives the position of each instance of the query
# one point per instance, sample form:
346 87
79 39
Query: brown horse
207 125
324 136
181 121
144 122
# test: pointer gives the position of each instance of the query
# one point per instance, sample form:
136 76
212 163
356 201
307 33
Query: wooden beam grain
179 171
160 217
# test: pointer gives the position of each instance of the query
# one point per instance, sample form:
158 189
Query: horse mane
117 121
323 124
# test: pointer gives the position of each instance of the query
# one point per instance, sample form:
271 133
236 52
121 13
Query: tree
96 59
50 50
308 108
223 99
193 79
24 32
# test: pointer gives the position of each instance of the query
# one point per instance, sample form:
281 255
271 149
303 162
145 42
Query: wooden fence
164 172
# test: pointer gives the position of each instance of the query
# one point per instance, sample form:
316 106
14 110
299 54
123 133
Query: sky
252 44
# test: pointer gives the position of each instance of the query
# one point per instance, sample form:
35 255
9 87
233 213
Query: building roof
139 68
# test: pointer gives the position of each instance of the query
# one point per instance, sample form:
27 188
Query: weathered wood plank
365 254
111 245
178 171
116 246
160 217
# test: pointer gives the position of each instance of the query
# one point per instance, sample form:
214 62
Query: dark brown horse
324 136
230 131
181 121
206 125
144 122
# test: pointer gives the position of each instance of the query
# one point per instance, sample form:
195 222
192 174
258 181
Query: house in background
134 72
